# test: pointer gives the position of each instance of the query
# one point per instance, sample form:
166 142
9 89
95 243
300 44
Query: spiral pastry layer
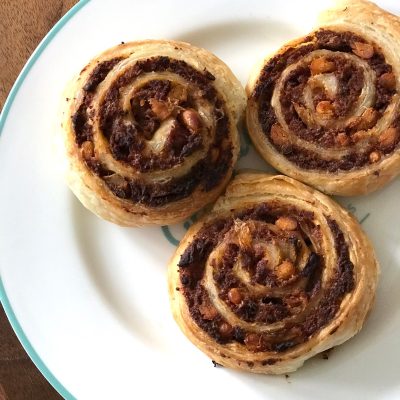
325 108
275 274
151 131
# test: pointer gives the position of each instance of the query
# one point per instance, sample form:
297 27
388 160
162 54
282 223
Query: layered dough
151 131
276 273
324 109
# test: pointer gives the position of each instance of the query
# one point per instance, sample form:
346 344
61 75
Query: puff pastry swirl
151 131
276 273
325 108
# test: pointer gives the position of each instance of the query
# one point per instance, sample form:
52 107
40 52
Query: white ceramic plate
89 299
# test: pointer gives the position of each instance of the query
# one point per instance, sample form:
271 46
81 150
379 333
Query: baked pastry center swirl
330 103
150 130
276 273
325 108
158 114
264 277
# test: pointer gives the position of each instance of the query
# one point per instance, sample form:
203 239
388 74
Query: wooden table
24 23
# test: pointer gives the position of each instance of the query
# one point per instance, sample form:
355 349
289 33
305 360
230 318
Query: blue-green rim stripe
40 365
3 116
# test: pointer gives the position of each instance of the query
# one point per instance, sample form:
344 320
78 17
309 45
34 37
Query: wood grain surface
23 24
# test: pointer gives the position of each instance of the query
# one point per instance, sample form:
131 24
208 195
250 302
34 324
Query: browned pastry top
331 90
267 268
156 105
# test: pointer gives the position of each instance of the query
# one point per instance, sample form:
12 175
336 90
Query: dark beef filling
141 109
184 143
309 160
157 194
342 283
256 311
181 142
312 265
271 212
350 86
350 80
127 139
267 309
157 89
173 190
199 250
160 64
80 121
99 73
349 89
199 304
98 168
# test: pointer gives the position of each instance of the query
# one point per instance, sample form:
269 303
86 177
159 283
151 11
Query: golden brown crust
93 189
294 206
381 29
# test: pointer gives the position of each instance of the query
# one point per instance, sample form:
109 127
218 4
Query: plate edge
26 344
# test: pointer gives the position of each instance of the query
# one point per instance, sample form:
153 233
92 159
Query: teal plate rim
26 344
